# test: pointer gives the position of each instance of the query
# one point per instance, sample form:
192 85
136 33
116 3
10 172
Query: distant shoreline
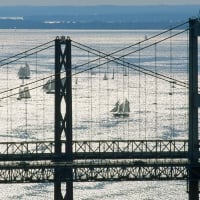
87 26
95 17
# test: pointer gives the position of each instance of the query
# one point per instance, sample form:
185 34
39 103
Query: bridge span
87 115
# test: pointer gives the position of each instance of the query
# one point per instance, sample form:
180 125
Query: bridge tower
63 116
194 104
63 119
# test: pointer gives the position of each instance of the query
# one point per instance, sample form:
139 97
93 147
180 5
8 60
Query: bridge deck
107 149
96 160
98 170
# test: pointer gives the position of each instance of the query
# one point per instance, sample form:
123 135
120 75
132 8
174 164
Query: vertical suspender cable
36 91
7 114
91 102
26 117
156 94
107 93
145 104
117 90
123 86
88 101
128 85
186 89
139 90
75 109
43 113
11 107
99 91
171 88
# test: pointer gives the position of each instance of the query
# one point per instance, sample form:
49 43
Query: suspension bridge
74 113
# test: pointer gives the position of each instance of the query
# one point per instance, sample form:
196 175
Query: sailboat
121 109
105 77
49 87
115 108
24 93
113 76
76 82
125 72
24 72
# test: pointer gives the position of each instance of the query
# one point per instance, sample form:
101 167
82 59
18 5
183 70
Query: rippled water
155 113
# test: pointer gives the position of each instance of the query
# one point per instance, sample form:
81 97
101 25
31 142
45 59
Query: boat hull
24 77
121 114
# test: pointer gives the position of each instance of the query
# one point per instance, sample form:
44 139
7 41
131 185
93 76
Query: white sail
24 72
24 93
49 87
115 108
20 93
113 76
105 77
125 72
126 106
121 108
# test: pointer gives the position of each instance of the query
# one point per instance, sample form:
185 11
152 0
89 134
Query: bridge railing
131 146
26 147
131 149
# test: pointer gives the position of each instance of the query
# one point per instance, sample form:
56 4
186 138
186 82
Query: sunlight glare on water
91 118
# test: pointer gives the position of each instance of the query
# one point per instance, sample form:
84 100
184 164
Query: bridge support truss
63 119
194 104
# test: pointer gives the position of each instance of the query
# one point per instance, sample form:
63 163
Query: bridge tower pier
63 120
194 104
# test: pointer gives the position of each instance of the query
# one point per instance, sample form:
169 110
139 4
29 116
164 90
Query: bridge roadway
96 161
104 149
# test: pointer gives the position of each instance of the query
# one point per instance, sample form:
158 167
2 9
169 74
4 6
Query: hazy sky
97 2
